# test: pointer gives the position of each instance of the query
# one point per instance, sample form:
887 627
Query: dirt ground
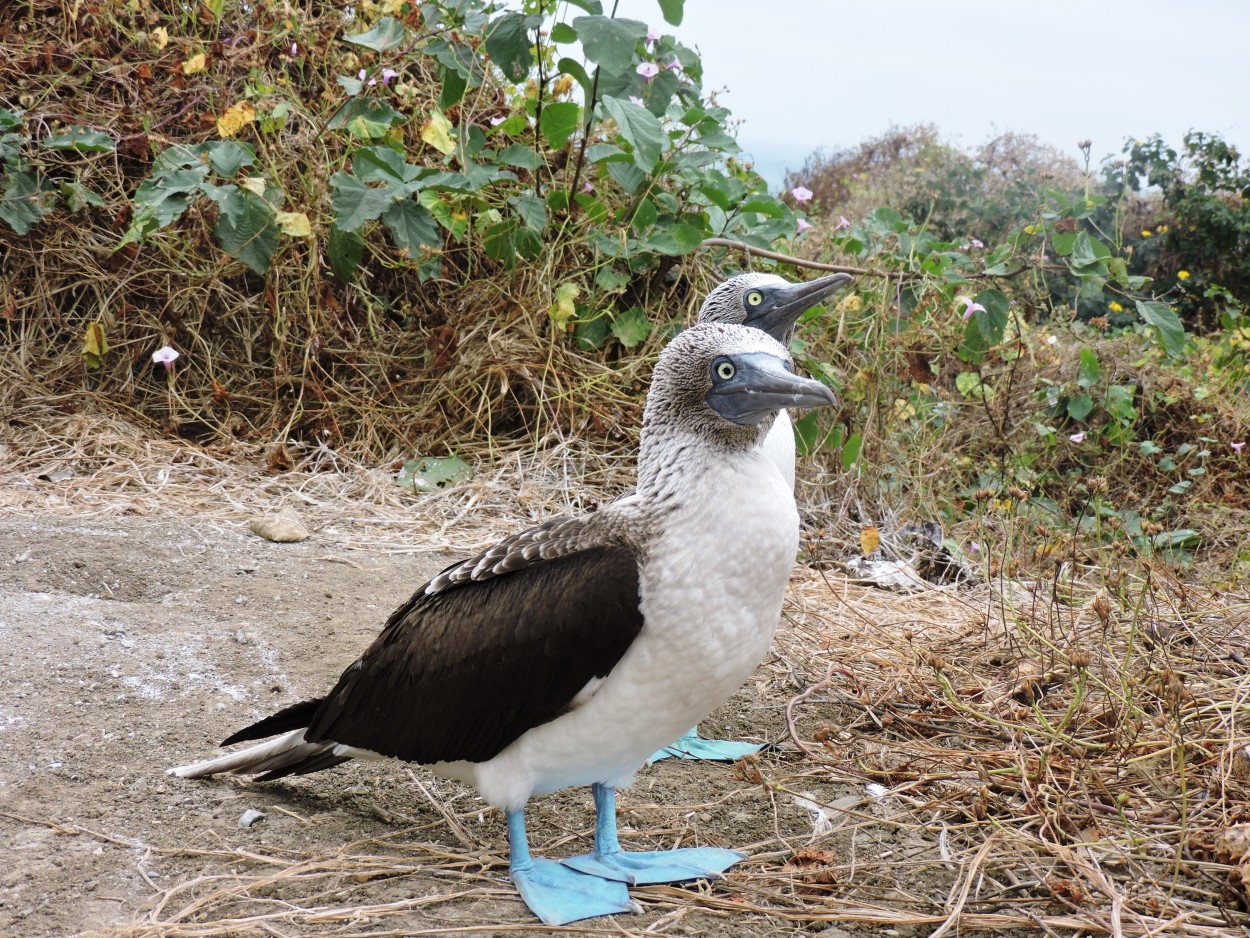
132 643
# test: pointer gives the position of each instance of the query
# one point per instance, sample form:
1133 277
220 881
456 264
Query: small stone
250 817
283 528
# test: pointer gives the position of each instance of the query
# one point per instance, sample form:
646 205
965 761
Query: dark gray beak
778 314
761 385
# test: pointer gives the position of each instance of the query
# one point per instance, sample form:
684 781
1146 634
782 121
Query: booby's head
767 302
725 383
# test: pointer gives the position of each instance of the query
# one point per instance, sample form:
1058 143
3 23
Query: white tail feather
264 757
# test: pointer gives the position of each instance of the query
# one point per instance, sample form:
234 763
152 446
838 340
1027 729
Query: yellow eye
725 370
755 298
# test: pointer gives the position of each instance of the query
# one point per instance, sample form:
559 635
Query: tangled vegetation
438 228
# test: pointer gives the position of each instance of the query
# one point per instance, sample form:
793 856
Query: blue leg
694 746
557 894
655 866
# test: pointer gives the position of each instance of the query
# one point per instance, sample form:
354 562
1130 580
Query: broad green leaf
610 42
531 209
432 473
626 175
344 249
388 34
598 152
572 67
21 205
355 203
673 240
82 140
1090 371
1088 253
94 345
457 223
10 119
563 33
640 128
985 328
508 44
169 194
594 7
631 327
453 89
519 155
412 227
437 132
590 334
366 118
559 121
968 383
673 11
850 451
1164 319
382 164
78 196
1080 406
246 227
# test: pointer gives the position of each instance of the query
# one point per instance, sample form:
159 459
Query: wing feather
489 649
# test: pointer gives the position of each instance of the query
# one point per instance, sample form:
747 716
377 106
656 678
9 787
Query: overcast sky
805 74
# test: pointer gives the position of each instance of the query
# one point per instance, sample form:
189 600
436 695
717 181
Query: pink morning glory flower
294 49
970 306
648 70
587 187
388 74
634 99
842 223
652 36
164 356
801 194
1237 447
1078 437
498 119
804 224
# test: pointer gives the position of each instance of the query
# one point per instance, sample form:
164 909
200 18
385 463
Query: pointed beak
786 304
762 385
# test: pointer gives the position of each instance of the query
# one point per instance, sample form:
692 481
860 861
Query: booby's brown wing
473 661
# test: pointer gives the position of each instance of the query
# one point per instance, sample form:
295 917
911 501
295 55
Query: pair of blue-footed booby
772 304
566 654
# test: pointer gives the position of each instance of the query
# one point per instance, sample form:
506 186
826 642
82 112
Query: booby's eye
755 298
724 369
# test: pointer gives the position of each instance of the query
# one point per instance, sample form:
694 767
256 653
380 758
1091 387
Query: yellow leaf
437 133
254 185
564 310
294 224
197 63
94 345
237 117
869 539
160 37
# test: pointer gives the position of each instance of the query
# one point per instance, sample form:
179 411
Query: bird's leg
556 894
693 746
638 868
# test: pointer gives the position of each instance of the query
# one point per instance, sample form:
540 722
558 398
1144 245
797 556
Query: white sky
805 74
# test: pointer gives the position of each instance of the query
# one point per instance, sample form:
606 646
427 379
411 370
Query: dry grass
1053 757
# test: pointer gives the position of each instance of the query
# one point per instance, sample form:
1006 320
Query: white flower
164 356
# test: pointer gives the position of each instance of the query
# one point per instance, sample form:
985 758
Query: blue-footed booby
566 654
771 303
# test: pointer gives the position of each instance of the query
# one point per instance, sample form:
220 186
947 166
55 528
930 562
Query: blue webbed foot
657 866
694 746
559 895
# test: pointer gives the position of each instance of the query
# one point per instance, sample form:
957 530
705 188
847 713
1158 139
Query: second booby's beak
747 388
783 306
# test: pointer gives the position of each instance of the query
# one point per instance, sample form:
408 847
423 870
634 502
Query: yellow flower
1030 229
1162 229
1182 275
1115 307
1145 232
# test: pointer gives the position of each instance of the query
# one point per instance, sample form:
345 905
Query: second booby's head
767 301
725 382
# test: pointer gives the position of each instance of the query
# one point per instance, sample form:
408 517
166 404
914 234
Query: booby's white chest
712 588
778 446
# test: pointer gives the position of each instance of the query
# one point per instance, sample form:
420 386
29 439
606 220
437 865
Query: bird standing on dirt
566 654
774 305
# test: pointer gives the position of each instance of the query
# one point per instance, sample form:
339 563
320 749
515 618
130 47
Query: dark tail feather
295 717
313 763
